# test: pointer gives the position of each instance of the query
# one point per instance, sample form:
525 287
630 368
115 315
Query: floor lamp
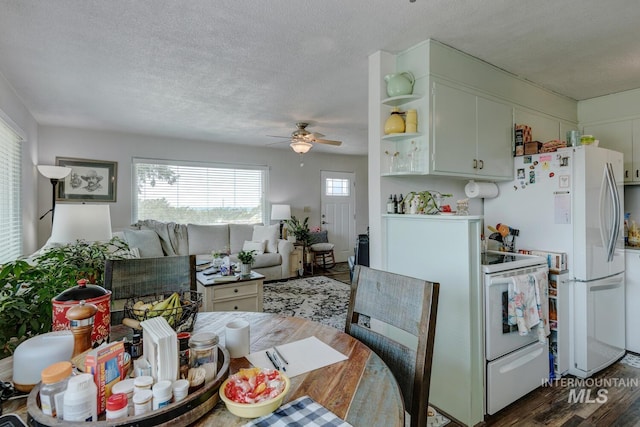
55 174
91 223
280 213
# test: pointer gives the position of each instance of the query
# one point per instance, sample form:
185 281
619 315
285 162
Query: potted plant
300 229
27 288
247 258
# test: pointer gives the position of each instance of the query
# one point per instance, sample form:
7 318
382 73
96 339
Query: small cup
236 338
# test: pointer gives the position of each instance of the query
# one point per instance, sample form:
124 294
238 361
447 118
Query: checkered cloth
302 412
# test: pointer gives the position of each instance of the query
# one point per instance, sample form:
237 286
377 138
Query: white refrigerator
572 201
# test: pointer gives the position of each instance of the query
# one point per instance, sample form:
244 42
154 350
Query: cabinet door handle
626 174
481 164
475 164
235 307
637 174
235 290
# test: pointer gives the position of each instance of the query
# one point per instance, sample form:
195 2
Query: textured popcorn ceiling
234 71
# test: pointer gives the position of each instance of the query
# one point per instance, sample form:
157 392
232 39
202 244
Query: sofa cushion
262 261
269 233
147 242
259 247
238 233
203 239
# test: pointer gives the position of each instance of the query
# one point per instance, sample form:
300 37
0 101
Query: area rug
631 360
317 298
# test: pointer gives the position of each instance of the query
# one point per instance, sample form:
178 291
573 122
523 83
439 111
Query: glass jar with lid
203 353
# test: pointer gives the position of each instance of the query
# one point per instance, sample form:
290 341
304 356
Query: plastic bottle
143 382
54 383
180 390
117 406
142 401
162 394
81 399
126 387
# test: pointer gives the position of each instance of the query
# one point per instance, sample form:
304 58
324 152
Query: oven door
500 337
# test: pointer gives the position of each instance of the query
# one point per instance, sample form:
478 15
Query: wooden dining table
360 390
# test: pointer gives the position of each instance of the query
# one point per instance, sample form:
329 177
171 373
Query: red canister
93 294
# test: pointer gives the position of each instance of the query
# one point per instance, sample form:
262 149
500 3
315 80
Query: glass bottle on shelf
414 157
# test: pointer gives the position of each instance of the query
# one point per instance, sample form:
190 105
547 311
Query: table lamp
91 223
280 213
55 174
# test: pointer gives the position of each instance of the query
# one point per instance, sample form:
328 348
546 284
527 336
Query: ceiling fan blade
276 143
278 136
318 135
328 142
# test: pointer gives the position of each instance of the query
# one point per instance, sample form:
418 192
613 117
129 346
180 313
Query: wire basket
181 318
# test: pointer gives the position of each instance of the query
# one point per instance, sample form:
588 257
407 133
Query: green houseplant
300 229
247 258
27 288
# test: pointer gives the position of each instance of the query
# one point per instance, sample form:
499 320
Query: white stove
495 261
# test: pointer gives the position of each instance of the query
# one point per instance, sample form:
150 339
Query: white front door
337 211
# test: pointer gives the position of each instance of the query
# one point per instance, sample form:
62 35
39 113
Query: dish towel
529 305
301 412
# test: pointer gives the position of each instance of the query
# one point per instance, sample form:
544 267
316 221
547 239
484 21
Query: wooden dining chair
395 316
137 277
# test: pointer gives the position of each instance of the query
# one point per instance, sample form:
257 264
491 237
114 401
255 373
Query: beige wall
288 182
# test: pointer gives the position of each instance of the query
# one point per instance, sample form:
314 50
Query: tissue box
106 364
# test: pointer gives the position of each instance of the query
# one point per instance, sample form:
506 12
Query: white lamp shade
280 212
91 223
54 172
301 147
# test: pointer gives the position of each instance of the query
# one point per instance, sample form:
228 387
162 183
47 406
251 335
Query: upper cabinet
471 135
622 136
466 112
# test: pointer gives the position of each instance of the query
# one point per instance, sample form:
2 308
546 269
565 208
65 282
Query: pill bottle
81 399
180 390
126 387
162 394
143 382
142 401
54 382
117 406
203 352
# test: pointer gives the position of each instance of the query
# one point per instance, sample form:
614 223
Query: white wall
288 182
13 111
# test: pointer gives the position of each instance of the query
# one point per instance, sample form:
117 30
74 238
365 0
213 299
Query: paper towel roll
486 190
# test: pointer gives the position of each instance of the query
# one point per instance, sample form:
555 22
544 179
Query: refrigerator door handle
615 204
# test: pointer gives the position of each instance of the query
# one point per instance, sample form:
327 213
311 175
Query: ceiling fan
302 140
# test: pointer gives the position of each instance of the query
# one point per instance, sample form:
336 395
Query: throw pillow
259 247
269 233
147 242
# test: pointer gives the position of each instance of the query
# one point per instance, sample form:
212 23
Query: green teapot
399 83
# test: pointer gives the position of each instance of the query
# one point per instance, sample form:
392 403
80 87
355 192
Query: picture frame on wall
89 180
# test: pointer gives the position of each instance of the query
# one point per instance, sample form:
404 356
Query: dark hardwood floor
550 406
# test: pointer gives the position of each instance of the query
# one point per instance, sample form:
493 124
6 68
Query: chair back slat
407 304
137 277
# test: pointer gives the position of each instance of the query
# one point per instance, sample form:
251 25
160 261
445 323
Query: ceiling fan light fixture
301 147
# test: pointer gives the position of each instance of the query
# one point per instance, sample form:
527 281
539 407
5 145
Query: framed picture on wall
89 180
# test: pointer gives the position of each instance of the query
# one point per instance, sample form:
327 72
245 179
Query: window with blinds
198 193
10 194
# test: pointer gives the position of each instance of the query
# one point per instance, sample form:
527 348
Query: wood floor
550 406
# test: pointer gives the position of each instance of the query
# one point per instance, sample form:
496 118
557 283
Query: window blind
10 194
198 193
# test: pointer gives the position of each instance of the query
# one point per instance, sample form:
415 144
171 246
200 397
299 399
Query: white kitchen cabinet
471 135
543 128
446 249
618 136
632 312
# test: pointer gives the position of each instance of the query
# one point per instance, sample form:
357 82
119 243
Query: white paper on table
303 356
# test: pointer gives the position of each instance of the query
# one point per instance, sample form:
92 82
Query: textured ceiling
234 71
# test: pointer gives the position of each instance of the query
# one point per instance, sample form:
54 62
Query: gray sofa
151 238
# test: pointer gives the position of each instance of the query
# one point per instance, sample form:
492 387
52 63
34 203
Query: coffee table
226 293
